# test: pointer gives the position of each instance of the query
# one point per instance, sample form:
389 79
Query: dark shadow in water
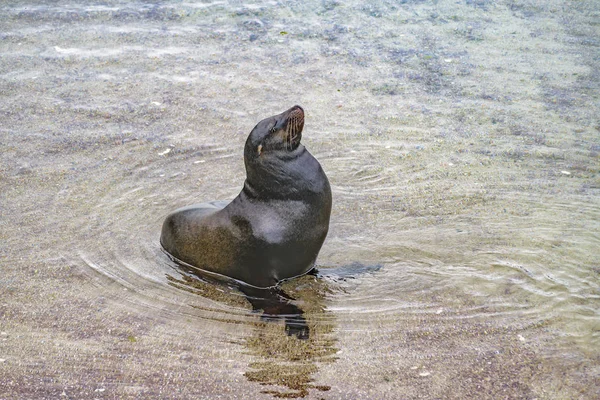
277 306
274 304
294 333
292 336
288 363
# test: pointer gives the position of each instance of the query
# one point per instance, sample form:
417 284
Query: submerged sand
462 142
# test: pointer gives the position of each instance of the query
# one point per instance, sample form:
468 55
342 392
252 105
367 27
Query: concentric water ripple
461 143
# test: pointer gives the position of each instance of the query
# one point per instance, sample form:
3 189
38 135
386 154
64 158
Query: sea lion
274 229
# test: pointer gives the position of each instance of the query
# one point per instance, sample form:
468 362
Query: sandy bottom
462 143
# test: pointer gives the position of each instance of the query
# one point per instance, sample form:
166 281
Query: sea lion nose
296 112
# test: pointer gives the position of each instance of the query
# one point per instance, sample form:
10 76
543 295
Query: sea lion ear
259 149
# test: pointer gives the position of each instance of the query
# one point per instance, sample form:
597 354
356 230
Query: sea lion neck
293 175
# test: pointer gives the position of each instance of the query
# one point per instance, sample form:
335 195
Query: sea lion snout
296 112
296 115
293 127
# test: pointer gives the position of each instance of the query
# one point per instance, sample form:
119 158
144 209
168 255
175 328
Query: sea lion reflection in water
274 229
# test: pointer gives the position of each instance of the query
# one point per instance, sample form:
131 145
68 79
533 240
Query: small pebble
424 373
167 151
565 172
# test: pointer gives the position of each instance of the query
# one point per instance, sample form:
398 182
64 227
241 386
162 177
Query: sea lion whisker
288 129
292 129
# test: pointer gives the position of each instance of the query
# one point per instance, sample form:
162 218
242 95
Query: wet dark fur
274 229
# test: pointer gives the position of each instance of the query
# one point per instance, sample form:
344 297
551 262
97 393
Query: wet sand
462 143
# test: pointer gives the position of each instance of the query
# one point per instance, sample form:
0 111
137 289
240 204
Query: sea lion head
277 165
276 136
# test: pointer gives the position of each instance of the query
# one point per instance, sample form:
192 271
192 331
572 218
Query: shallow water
462 144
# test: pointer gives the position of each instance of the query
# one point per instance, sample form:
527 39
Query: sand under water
461 140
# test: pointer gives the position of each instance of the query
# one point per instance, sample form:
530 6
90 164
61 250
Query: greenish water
461 140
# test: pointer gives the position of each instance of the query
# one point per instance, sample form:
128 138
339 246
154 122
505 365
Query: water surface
462 143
